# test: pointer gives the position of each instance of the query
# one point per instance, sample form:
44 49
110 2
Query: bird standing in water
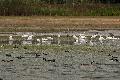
101 39
82 39
11 40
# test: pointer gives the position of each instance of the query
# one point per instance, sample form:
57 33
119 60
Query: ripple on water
70 65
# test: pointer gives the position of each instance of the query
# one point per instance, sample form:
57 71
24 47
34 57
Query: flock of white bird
81 39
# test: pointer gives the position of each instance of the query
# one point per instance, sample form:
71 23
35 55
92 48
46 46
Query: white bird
44 40
58 39
108 37
111 38
11 38
75 37
1 45
58 35
94 36
91 43
50 38
82 36
30 37
91 39
101 39
82 41
38 40
25 35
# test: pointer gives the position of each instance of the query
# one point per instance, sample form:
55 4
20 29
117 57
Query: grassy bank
56 48
38 8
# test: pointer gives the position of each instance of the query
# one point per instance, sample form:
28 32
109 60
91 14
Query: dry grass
36 23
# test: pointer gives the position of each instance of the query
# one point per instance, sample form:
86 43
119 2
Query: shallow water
65 62
65 38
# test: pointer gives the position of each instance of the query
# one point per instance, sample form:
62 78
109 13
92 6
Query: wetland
82 55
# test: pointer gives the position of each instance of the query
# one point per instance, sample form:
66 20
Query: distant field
46 24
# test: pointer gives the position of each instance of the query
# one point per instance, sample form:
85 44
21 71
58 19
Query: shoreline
39 23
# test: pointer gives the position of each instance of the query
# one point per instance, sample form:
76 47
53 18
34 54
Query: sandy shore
54 23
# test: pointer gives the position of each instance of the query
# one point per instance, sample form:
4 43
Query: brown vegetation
57 23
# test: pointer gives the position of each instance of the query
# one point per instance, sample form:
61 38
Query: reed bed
39 8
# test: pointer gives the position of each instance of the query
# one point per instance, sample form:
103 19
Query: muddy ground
54 24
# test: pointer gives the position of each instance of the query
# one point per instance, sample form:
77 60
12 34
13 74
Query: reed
44 8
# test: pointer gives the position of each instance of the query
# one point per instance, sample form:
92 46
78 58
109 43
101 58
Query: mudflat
41 23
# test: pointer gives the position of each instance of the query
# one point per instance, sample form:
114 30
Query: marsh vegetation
59 8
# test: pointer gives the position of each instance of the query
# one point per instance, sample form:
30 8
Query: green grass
72 48
30 28
112 11
32 8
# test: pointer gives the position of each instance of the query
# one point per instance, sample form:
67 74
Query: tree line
79 1
57 7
